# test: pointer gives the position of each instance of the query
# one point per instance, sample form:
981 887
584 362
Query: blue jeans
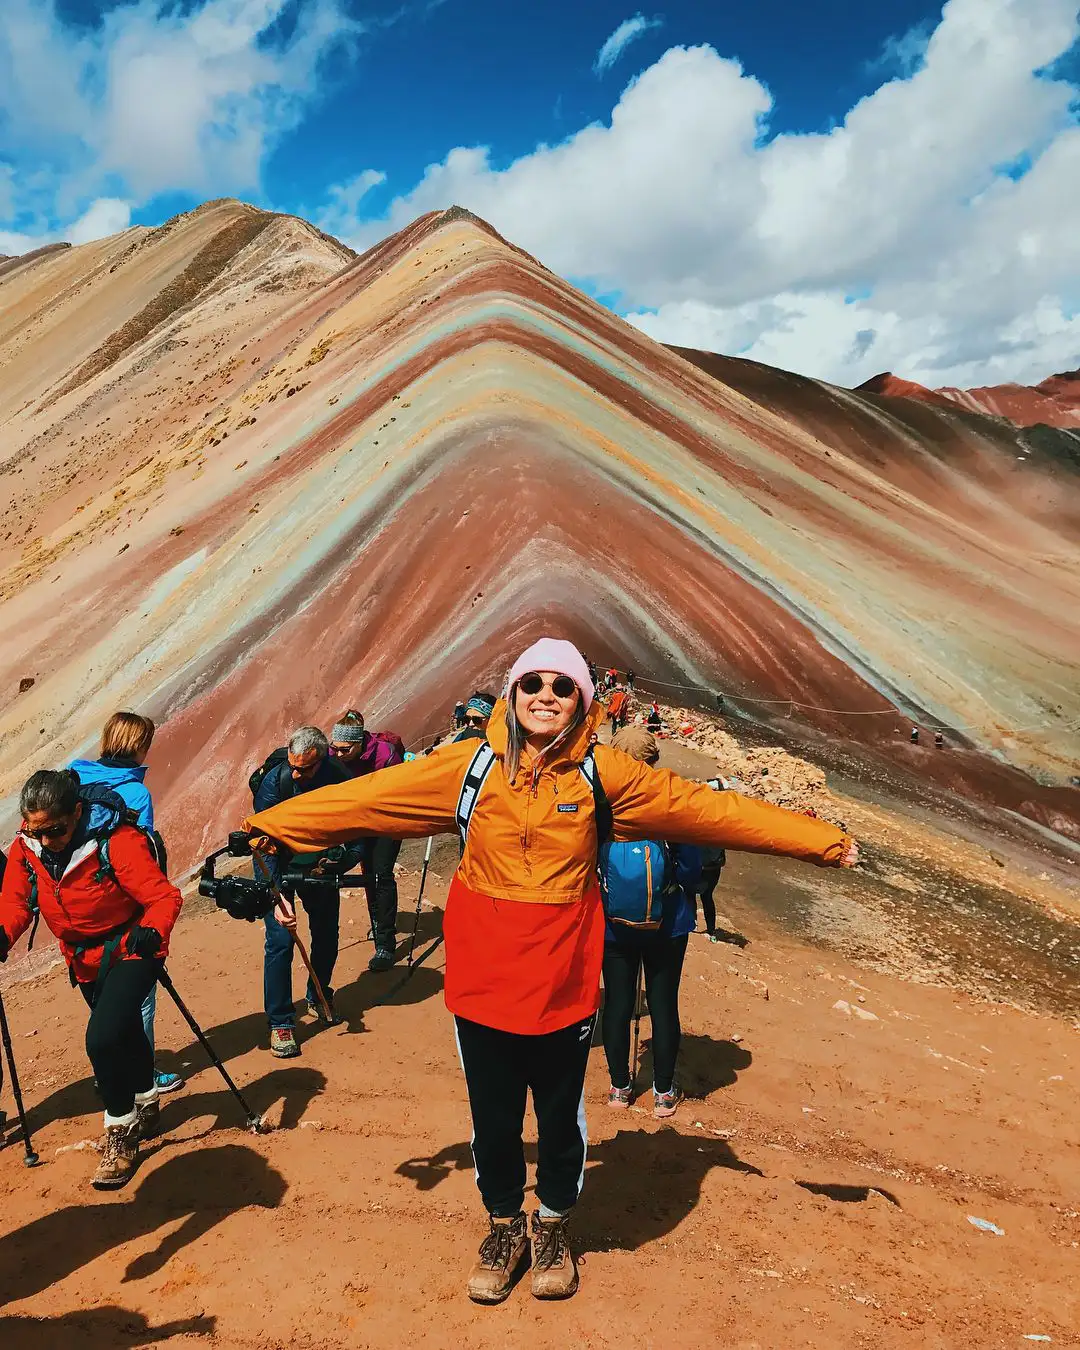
149 1007
322 902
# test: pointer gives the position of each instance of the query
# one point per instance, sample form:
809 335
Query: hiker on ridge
103 895
362 752
524 925
125 744
307 765
648 901
459 715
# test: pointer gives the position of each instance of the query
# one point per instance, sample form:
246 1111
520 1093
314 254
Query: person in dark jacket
477 715
104 897
657 954
309 766
125 744
360 753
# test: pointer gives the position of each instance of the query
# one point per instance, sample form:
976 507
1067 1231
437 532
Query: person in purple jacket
362 752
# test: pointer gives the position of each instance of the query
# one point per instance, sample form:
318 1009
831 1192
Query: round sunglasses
562 686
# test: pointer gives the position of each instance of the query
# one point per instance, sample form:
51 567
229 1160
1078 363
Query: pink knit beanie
560 656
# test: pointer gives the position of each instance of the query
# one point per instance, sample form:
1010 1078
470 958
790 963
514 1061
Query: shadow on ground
96 1329
200 1188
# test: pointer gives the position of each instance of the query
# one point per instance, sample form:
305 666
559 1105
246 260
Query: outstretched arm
408 801
657 804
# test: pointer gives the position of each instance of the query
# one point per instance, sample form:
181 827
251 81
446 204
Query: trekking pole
637 1026
284 906
255 1122
419 898
31 1159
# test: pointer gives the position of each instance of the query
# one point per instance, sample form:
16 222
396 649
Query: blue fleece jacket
125 779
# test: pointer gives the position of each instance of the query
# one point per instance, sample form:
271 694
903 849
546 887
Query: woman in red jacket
103 896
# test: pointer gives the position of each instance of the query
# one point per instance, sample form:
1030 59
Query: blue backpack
634 877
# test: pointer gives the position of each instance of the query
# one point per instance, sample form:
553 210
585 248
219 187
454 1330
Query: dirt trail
814 1191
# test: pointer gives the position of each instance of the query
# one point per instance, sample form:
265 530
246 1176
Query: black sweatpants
662 959
382 892
706 885
501 1068
116 1043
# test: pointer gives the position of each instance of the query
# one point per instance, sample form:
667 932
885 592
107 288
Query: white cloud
157 98
628 31
897 223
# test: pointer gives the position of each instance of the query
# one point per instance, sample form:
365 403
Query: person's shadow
96 1329
639 1186
297 1085
201 1188
706 1065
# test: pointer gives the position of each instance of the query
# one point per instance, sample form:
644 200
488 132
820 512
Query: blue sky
832 187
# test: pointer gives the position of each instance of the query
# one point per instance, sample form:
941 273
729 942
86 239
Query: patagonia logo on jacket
566 807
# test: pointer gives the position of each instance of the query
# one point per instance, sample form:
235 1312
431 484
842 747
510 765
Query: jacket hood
572 749
110 774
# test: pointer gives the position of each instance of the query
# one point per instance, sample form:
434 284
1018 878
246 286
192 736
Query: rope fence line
934 724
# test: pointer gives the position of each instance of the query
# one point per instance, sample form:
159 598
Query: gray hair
305 739
54 791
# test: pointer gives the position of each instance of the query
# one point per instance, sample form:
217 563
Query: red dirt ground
814 1191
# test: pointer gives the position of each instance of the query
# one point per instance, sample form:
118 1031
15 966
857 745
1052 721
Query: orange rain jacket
523 925
520 845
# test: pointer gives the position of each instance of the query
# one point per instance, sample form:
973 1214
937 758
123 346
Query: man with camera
311 879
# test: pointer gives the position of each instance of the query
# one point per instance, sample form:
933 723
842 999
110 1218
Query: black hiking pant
706 885
501 1068
662 960
382 892
116 1043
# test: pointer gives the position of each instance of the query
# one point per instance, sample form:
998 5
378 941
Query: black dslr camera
239 897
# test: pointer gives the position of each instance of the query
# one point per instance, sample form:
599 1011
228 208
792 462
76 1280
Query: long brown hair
516 735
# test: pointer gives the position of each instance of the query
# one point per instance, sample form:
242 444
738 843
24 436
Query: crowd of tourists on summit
581 862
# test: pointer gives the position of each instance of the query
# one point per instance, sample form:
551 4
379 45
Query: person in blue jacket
125 744
657 953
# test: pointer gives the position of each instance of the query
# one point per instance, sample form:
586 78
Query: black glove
5 945
144 942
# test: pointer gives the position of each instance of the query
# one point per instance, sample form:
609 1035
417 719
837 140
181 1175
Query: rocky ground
891 1056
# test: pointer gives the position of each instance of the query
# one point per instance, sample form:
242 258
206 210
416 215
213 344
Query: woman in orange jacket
524 926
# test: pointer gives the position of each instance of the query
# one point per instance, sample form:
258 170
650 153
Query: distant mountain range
250 479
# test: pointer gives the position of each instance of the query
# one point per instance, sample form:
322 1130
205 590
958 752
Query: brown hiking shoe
502 1253
149 1119
283 1043
554 1269
119 1158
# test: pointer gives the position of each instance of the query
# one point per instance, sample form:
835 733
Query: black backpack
272 763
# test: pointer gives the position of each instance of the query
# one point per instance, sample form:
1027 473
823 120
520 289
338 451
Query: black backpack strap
32 901
605 817
475 776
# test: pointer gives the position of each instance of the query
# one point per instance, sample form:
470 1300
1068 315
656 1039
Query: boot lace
497 1248
551 1243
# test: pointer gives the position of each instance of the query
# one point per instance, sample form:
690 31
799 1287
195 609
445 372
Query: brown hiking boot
502 1254
554 1269
119 1158
149 1119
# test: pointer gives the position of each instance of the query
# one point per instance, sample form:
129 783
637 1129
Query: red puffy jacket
86 903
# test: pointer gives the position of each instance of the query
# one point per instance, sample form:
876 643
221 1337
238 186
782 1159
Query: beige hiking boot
119 1158
554 1272
503 1253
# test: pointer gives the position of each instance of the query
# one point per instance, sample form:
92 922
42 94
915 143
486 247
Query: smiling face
543 713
